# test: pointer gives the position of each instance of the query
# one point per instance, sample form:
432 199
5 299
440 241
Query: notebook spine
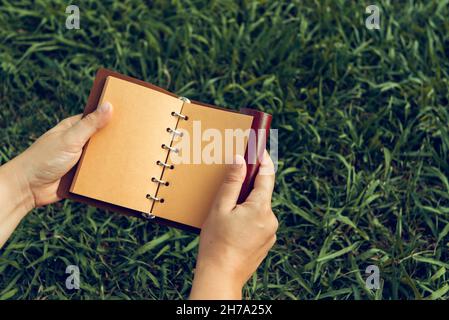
174 132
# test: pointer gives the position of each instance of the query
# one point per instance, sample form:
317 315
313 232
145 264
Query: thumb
230 189
81 131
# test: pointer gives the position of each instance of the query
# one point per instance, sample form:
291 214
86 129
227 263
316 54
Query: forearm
16 200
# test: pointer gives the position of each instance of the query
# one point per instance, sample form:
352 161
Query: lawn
363 140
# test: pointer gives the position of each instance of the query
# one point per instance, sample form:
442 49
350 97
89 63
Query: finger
80 132
264 183
226 198
68 122
64 124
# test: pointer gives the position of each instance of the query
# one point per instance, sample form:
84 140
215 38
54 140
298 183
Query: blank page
120 160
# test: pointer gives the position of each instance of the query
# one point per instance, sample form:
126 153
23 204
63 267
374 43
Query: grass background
363 130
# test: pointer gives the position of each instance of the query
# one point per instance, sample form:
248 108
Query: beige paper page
192 187
120 160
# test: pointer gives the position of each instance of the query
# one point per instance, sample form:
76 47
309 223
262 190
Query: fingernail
238 161
105 107
265 157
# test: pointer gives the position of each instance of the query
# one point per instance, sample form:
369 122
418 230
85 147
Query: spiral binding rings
163 164
166 165
149 196
184 99
179 115
164 146
175 132
148 215
165 183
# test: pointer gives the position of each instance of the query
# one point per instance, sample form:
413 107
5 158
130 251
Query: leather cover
260 122
261 126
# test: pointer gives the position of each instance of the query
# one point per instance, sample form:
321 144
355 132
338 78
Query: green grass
363 127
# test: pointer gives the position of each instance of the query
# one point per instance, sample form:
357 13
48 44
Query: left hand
44 163
31 179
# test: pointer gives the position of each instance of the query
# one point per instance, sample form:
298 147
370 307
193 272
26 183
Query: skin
234 239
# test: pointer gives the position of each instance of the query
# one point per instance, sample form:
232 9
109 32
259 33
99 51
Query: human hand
51 156
235 238
32 178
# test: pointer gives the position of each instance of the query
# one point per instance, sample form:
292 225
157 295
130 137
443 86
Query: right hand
235 238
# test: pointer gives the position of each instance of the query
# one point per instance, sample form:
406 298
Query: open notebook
161 156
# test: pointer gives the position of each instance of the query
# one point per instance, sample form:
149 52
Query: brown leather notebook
162 157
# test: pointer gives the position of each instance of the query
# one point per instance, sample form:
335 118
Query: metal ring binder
163 164
175 132
148 215
165 183
166 165
177 114
184 99
149 196
175 150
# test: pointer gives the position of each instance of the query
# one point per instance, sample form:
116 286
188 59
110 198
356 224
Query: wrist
215 283
15 185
